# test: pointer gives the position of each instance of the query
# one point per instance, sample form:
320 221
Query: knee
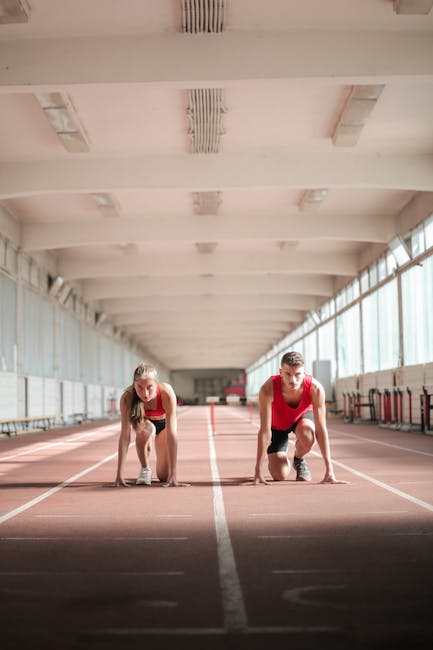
305 435
146 429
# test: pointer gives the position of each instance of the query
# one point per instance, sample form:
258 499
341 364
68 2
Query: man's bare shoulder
317 390
267 389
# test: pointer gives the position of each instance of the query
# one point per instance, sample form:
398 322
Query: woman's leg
143 442
161 449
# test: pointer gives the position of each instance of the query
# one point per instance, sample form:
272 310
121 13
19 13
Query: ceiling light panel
206 247
203 16
361 101
14 11
106 203
207 202
62 116
312 199
413 7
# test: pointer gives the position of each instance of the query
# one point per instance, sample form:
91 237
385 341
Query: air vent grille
205 111
203 16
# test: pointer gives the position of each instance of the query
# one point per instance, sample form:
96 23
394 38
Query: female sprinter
149 407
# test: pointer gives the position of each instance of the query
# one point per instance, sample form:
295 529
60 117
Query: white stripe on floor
235 617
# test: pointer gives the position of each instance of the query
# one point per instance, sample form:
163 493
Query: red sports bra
159 408
283 415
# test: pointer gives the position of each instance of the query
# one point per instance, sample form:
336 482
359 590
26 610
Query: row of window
381 320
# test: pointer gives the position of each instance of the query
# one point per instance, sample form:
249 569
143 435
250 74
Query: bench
78 418
26 424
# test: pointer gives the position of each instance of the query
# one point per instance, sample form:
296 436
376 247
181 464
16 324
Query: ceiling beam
368 228
368 56
276 284
331 169
196 264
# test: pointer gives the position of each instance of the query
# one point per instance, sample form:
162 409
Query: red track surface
221 564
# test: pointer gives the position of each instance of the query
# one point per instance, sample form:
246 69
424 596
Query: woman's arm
170 405
124 438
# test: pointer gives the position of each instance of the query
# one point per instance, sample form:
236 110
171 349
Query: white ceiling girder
231 170
196 264
189 328
371 228
282 315
368 56
312 285
207 303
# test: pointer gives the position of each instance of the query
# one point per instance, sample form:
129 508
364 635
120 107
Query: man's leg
279 466
305 438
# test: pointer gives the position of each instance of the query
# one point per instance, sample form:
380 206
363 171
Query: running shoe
145 476
302 471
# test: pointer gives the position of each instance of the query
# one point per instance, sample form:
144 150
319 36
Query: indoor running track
222 563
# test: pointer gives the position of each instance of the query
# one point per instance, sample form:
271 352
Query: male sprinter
292 402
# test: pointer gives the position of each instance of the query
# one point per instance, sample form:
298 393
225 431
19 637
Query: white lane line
92 539
380 442
93 573
210 631
158 603
384 486
49 445
235 616
305 571
173 516
308 514
394 534
49 493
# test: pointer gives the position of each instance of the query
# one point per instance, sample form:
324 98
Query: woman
149 407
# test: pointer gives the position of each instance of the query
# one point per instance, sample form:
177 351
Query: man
292 401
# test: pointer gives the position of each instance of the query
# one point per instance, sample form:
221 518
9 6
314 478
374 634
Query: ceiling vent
14 11
414 7
62 116
312 199
205 112
106 204
207 202
361 101
206 246
203 16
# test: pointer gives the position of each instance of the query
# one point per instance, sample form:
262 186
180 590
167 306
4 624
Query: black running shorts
280 439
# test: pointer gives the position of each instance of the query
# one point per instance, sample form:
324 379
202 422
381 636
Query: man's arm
264 435
124 439
322 436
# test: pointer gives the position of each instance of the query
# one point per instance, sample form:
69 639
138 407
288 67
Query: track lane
313 561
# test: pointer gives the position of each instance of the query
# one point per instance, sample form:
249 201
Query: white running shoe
145 476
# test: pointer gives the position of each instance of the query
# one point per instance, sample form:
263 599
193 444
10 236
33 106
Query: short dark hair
292 359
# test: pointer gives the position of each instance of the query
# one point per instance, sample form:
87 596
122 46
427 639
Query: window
428 232
349 337
417 306
380 328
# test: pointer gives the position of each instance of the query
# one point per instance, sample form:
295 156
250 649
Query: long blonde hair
136 408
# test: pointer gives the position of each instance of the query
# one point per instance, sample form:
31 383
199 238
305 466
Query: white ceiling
286 68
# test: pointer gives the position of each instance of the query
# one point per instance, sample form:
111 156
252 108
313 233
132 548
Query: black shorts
280 439
159 425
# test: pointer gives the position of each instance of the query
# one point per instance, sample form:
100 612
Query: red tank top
159 408
283 415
